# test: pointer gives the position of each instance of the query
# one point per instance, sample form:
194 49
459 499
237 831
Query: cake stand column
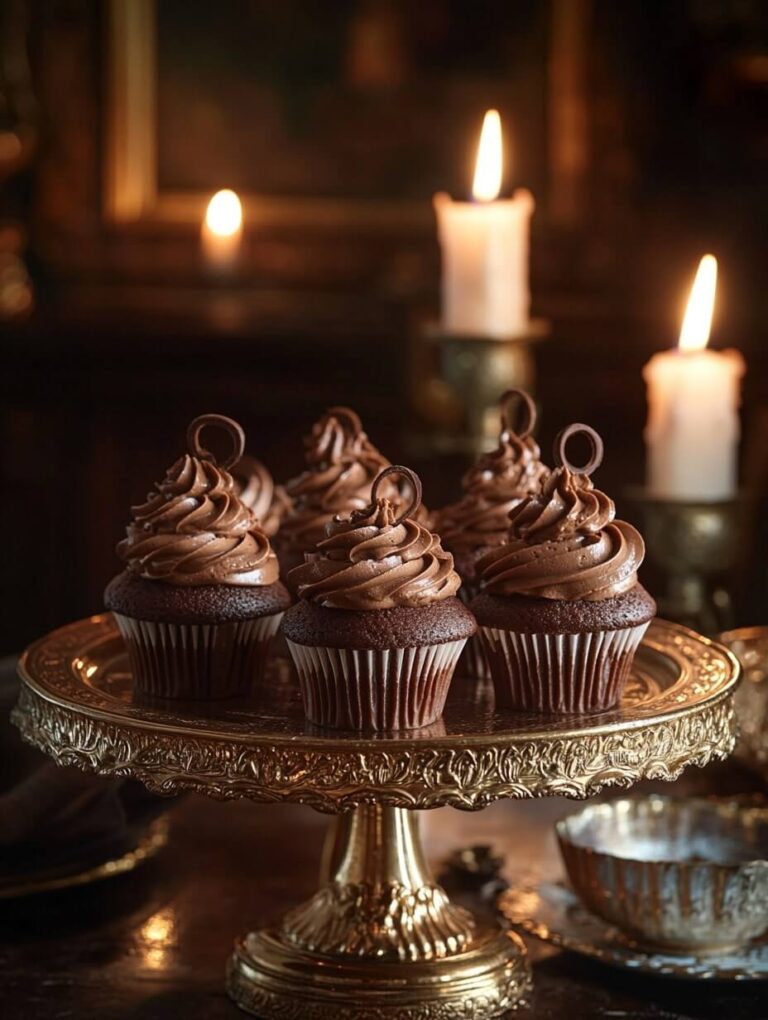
380 938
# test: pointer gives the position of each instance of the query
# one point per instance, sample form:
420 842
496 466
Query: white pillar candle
693 399
485 245
222 231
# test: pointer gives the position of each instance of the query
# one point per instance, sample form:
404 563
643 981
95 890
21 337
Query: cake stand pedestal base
380 939
274 980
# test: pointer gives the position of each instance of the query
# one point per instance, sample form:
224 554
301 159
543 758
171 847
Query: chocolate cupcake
256 488
497 483
377 631
342 463
562 613
200 598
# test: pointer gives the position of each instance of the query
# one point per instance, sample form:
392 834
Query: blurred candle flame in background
489 166
224 215
222 231
697 322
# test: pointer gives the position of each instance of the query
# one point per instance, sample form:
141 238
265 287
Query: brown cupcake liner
473 662
197 661
560 673
365 689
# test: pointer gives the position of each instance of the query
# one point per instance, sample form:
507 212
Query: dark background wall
640 127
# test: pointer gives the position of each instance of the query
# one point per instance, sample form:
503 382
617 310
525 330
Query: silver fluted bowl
672 873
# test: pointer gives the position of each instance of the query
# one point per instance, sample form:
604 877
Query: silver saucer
551 912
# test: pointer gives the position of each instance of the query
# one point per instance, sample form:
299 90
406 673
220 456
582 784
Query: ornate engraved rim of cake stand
681 714
380 939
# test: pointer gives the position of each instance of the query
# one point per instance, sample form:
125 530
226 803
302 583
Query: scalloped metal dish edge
621 952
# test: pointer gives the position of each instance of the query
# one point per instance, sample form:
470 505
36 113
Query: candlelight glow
487 183
224 215
697 323
157 939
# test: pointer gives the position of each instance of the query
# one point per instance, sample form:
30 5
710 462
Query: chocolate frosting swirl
256 488
342 464
493 486
564 542
374 559
193 529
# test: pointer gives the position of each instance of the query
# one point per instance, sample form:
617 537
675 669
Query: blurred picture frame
132 189
379 55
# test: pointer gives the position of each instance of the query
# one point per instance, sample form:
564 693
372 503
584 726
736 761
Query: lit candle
693 398
222 231
485 244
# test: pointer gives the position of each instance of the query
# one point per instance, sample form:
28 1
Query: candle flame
697 323
224 215
488 168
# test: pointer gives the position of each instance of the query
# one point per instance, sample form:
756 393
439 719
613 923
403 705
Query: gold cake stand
380 940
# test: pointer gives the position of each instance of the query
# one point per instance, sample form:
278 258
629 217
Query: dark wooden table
152 945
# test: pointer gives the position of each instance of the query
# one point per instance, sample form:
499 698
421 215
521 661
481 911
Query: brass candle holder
476 369
380 939
696 547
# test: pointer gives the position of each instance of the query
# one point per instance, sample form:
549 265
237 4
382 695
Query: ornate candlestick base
477 369
696 547
379 939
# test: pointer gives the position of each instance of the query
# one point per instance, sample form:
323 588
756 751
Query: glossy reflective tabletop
151 945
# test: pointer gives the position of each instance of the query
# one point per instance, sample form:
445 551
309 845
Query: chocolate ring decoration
220 421
595 442
411 476
348 418
529 414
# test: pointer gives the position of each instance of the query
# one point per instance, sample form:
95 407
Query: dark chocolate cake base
403 627
142 599
528 615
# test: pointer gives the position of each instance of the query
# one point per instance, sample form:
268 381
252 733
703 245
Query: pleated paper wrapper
364 689
473 662
560 673
198 661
